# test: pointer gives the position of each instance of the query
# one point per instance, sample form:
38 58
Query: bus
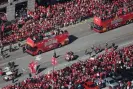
102 25
39 44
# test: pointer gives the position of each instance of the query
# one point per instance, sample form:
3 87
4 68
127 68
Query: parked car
100 83
69 56
90 85
117 77
110 82
9 76
79 86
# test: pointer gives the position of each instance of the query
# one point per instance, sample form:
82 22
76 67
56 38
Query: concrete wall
10 12
10 7
31 5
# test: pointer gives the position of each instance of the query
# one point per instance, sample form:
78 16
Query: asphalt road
86 38
79 30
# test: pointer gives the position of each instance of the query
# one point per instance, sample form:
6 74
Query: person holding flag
33 67
2 31
2 27
54 60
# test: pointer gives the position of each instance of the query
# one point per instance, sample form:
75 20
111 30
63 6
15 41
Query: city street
83 38
78 30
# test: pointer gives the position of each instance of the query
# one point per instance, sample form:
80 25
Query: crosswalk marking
38 58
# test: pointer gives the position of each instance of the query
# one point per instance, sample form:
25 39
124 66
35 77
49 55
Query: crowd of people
109 10
72 77
60 15
45 35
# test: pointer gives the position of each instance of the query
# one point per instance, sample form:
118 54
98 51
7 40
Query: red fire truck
43 44
101 26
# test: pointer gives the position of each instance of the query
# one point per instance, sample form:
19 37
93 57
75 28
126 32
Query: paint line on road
38 57
17 59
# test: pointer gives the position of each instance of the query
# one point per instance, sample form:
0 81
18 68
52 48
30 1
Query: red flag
54 61
4 18
106 50
33 66
2 27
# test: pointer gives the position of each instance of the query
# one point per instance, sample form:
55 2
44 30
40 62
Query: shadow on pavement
15 49
72 38
6 50
58 56
7 56
19 75
16 65
76 57
41 69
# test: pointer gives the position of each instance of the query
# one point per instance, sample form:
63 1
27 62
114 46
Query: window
97 27
3 2
50 42
20 9
111 81
31 48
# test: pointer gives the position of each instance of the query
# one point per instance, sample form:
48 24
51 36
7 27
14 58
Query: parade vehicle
101 83
39 44
70 56
90 85
101 25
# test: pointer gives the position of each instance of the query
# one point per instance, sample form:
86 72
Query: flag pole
53 78
54 62
54 55
53 70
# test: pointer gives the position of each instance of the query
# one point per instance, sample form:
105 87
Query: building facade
11 6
